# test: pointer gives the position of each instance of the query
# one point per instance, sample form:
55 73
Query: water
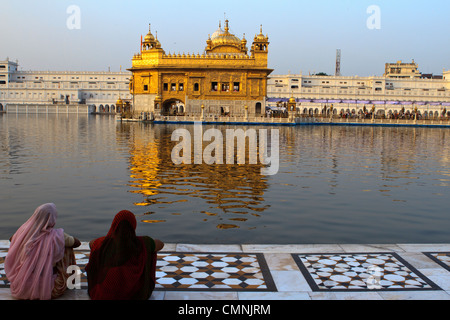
335 184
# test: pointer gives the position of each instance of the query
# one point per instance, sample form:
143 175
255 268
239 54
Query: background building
402 70
100 90
392 92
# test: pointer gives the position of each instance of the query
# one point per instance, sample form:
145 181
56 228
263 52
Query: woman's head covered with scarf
35 248
117 261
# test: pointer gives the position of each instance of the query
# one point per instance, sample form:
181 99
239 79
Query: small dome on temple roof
261 37
149 37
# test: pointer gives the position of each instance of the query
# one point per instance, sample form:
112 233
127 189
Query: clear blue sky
304 35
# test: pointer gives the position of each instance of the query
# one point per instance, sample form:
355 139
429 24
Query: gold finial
226 26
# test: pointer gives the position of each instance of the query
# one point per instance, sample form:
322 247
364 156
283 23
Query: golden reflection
153 221
227 226
209 213
219 191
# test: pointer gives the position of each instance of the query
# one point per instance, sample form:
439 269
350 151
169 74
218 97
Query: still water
335 184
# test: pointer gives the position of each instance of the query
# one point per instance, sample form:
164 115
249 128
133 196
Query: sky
304 35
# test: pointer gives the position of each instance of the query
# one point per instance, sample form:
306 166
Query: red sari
121 265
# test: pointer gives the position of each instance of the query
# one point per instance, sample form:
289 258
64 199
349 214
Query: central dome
217 33
222 41
221 37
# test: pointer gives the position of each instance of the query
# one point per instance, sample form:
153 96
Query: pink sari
35 249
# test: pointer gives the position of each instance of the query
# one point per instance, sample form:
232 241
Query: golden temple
225 79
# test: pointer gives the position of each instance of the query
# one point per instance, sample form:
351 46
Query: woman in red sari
121 265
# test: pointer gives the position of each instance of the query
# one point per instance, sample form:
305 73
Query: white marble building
99 90
388 93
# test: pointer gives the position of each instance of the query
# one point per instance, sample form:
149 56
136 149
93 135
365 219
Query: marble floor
288 272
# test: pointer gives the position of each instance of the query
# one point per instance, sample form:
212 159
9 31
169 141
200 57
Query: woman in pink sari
38 257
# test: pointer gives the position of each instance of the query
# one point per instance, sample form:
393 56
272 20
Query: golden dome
158 44
149 37
218 32
119 102
292 100
260 36
224 37
244 41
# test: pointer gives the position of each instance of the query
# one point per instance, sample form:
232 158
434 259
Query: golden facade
224 79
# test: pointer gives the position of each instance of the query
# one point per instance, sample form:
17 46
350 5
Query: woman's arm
158 245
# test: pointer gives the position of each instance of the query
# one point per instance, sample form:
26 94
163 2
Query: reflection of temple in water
214 190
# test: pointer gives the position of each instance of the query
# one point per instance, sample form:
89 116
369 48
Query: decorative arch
92 108
172 106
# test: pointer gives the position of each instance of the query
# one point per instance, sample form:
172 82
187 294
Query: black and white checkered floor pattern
361 272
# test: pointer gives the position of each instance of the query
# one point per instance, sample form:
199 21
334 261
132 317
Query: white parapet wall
47 108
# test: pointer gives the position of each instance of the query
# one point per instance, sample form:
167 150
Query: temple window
225 87
196 87
181 87
145 87
214 86
173 87
236 87
165 86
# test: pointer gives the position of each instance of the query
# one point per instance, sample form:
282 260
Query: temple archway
172 107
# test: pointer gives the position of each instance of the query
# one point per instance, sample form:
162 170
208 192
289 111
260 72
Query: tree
321 74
